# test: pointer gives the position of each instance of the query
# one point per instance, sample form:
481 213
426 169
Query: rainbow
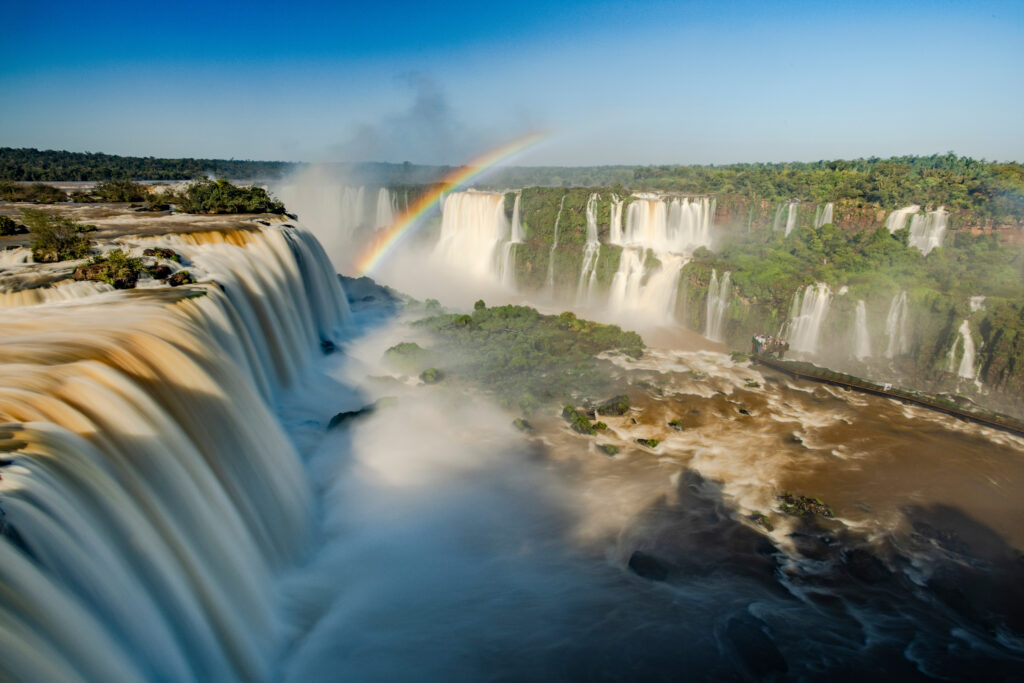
413 216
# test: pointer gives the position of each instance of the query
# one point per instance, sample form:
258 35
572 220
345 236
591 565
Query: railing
816 374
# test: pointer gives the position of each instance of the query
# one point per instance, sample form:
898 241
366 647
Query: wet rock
804 506
348 416
649 443
811 546
762 520
160 252
125 278
744 411
608 449
522 425
676 424
328 347
755 650
647 566
159 272
617 405
182 277
865 566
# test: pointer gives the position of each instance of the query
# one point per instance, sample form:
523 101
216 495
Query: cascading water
15 257
473 225
897 220
794 208
386 209
554 246
965 369
591 252
808 312
717 304
896 327
777 223
927 230
149 494
862 342
508 254
823 215
667 230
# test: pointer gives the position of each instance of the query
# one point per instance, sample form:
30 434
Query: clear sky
612 82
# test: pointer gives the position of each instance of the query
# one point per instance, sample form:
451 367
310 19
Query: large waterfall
149 494
473 225
823 215
719 292
806 316
591 252
897 220
927 230
896 327
862 341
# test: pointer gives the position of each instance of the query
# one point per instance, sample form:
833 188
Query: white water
15 257
927 230
823 216
863 338
965 369
473 225
716 306
152 486
508 254
977 303
777 223
897 327
554 246
806 316
386 209
591 252
897 220
791 217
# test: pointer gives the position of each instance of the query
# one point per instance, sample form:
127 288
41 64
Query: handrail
830 377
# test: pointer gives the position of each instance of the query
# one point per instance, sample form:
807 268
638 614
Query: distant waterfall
554 246
862 347
965 369
823 215
508 256
794 208
717 303
386 209
777 223
151 495
615 227
807 313
896 327
473 224
591 252
897 220
927 230
665 229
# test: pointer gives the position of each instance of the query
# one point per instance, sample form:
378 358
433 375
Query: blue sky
612 82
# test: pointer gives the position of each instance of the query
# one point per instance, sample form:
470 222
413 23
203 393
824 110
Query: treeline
37 165
991 190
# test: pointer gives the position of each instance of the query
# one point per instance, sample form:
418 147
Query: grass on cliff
526 359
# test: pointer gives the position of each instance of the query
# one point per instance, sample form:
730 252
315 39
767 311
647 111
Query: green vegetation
676 424
220 196
762 520
522 425
115 268
36 192
33 164
8 227
112 191
649 443
578 421
431 376
55 238
609 449
616 405
803 506
182 277
527 359
408 357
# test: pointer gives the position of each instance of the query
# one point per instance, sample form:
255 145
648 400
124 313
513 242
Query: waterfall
862 348
896 329
717 303
591 251
807 313
777 223
927 230
823 216
794 208
150 495
554 246
965 369
897 220
473 224
15 257
508 256
386 207
977 303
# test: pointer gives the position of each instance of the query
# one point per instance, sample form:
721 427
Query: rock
744 411
608 449
160 252
804 506
577 420
617 405
347 416
182 277
762 520
327 346
122 279
159 272
649 443
647 566
756 651
865 566
676 424
522 425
